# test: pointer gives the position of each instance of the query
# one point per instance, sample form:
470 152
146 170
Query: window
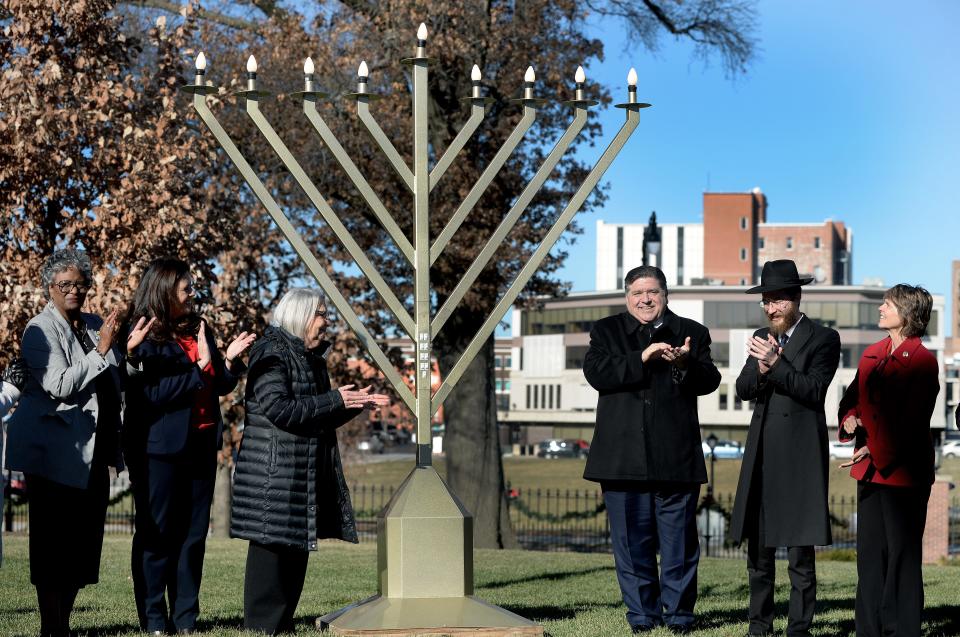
536 396
498 385
737 403
816 243
508 362
506 384
760 243
497 362
528 396
789 243
575 355
743 223
558 396
550 395
543 396
503 402
723 397
743 254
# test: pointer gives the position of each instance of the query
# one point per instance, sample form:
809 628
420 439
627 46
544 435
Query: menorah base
427 617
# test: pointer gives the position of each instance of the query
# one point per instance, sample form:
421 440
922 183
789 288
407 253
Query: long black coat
288 486
790 424
647 424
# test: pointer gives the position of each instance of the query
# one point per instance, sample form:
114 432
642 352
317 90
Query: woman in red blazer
887 410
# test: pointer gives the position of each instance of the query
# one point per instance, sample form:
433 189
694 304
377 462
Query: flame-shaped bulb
632 77
308 66
251 64
422 31
530 76
475 73
580 76
363 71
201 62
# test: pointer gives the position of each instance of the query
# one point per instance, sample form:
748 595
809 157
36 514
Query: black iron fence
543 519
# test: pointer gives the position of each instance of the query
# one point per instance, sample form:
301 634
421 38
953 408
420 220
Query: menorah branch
363 111
318 201
303 251
477 113
529 116
559 226
497 238
357 178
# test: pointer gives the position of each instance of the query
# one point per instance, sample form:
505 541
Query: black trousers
173 497
890 523
272 586
761 572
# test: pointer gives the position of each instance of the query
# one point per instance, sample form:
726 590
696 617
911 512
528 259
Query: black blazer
790 425
647 423
161 393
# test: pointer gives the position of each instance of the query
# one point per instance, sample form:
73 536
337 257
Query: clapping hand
677 355
238 346
851 423
362 398
767 352
107 332
860 454
203 348
138 333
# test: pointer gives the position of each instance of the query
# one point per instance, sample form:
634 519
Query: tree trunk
472 445
222 499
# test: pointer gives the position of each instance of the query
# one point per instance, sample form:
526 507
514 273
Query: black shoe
680 629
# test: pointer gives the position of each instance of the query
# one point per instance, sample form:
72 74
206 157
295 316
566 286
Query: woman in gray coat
289 489
64 435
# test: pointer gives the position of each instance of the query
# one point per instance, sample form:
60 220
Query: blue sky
850 112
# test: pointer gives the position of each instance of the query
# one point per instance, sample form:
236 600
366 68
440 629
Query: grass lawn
570 594
566 473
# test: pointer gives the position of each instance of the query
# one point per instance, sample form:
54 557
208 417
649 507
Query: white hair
296 309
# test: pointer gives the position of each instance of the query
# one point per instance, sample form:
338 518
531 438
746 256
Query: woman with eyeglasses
289 489
887 411
64 435
171 435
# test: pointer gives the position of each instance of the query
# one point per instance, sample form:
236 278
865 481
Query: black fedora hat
779 275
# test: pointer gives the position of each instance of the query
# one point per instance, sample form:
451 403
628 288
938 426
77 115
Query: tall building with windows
549 396
729 247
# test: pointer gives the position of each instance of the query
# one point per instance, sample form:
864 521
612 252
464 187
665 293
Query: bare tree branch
722 27
171 6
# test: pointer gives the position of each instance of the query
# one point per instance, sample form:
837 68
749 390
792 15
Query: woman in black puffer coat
289 490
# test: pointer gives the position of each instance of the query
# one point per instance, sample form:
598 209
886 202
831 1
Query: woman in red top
887 410
171 436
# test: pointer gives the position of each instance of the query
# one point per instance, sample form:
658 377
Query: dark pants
761 571
643 518
890 522
272 586
173 498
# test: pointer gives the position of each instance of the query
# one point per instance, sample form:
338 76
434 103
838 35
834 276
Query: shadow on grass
545 577
555 613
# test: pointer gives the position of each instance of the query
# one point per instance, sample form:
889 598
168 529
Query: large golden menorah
425 534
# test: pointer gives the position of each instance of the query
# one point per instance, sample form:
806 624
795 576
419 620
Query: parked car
841 449
951 449
562 448
725 450
373 444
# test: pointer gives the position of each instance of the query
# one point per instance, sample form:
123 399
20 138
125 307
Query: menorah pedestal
425 563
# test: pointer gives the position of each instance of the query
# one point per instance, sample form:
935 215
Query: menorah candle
201 65
632 86
580 77
528 79
308 75
251 73
475 81
362 75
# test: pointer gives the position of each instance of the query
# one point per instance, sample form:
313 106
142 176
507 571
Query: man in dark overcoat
782 493
649 365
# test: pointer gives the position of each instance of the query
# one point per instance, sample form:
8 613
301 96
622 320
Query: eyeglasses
776 302
66 287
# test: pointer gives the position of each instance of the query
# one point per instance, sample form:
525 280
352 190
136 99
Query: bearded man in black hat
782 493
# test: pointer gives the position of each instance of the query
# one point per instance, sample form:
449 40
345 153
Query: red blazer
894 397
